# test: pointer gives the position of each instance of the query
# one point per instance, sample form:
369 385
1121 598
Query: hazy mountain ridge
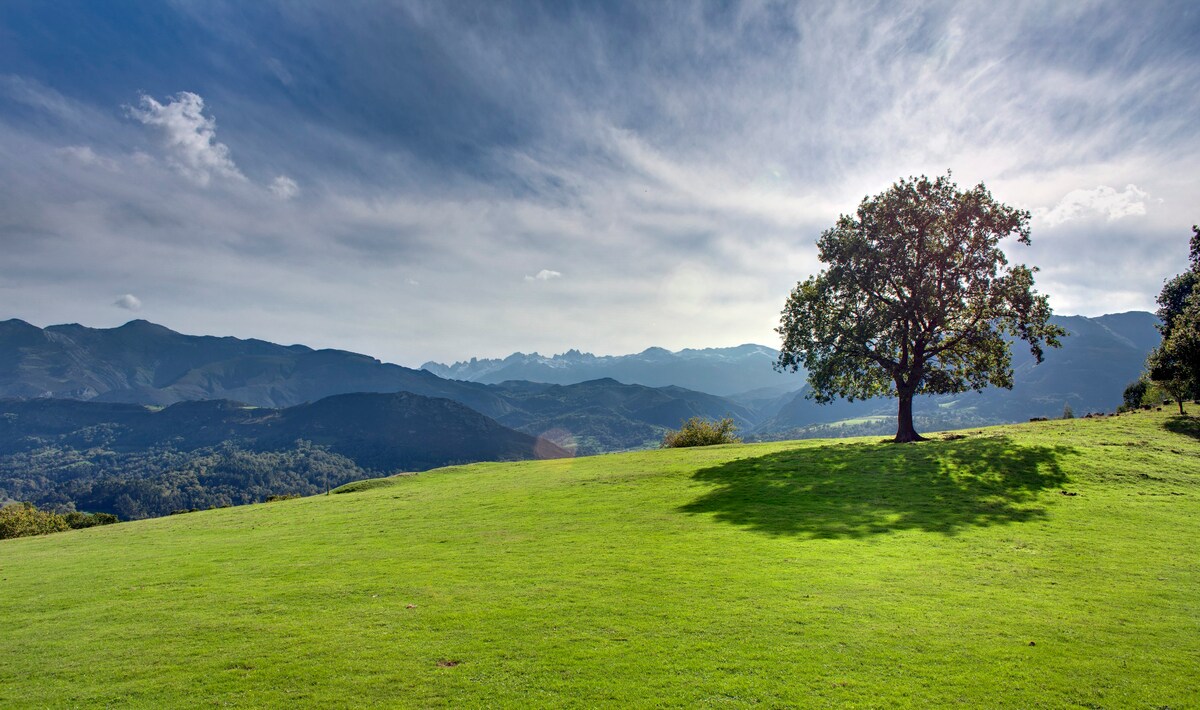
719 371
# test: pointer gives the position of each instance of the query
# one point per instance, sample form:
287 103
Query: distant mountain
1098 359
719 371
144 363
189 454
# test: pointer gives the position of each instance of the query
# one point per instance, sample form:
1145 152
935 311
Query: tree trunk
905 432
1180 401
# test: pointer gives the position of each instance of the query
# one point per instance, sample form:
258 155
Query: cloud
544 275
84 155
129 302
284 187
191 137
688 155
1102 201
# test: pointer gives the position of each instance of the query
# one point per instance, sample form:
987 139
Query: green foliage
1175 364
77 520
161 480
701 432
1134 395
917 298
1068 413
24 519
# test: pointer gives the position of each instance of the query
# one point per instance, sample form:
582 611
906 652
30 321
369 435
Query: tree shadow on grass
1186 425
855 490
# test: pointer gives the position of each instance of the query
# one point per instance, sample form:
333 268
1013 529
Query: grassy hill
843 573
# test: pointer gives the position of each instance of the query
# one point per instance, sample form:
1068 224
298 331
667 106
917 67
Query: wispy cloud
544 275
84 155
1102 201
284 187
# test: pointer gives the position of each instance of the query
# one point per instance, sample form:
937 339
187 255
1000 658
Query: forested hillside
136 461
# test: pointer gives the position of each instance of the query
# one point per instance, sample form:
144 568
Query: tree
1175 364
917 298
701 432
1134 394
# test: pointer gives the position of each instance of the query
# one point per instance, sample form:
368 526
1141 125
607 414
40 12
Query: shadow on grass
1187 425
857 490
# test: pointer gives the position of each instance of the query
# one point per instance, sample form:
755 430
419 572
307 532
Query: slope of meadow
843 573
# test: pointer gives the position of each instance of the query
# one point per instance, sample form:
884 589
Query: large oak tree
917 298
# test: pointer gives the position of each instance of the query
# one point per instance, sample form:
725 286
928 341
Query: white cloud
544 275
191 137
84 155
1103 201
284 187
129 302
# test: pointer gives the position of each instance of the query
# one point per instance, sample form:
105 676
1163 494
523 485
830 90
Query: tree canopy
916 298
1175 363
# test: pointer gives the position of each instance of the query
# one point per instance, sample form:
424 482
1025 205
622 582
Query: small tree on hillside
1133 395
917 298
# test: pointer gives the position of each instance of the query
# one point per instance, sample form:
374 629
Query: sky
445 180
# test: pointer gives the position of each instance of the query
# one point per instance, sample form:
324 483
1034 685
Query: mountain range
144 363
719 371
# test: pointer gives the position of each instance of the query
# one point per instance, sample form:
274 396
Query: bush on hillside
78 520
24 519
701 432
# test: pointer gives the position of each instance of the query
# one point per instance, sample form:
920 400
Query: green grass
799 574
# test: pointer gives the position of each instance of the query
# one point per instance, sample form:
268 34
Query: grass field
823 573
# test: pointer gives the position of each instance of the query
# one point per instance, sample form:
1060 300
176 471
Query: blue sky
432 180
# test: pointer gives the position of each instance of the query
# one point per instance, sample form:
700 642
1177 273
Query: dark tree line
154 482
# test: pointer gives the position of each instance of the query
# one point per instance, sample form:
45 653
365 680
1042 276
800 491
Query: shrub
1068 413
24 519
282 496
701 432
77 520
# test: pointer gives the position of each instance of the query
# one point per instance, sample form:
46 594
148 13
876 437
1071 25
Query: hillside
136 461
801 574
